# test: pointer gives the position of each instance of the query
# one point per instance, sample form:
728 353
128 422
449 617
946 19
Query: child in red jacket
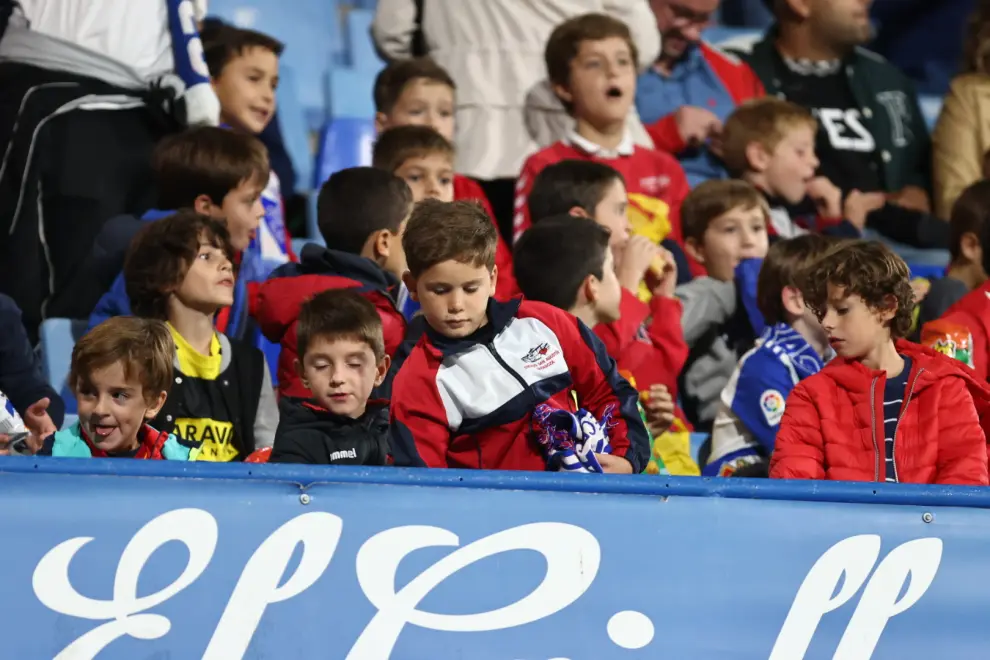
420 92
591 63
466 395
884 409
362 213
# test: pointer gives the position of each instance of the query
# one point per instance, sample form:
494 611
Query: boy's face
430 176
341 372
454 296
611 213
246 89
242 210
209 282
731 238
603 81
792 165
608 293
422 103
112 408
854 329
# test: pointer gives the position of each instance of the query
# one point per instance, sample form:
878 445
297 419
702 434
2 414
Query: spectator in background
493 50
39 406
962 135
91 159
872 134
692 88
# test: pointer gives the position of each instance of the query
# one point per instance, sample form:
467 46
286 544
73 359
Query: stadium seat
351 93
344 142
357 41
58 336
295 129
931 106
926 271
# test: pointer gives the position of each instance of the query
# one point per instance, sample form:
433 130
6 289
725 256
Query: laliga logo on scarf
572 557
915 562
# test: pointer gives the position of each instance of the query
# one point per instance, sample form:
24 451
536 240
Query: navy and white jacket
468 403
753 402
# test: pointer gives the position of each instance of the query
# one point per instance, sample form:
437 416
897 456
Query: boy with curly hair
884 409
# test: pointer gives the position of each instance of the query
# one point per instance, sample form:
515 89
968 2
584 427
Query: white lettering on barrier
855 557
572 555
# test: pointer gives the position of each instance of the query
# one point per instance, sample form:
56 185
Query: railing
136 559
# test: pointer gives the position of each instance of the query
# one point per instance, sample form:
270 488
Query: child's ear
156 406
589 290
410 283
298 366
969 246
494 277
203 205
381 122
695 250
757 157
563 93
889 309
792 300
382 371
383 243
579 212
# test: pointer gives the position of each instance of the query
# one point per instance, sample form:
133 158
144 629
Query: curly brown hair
976 45
868 269
160 256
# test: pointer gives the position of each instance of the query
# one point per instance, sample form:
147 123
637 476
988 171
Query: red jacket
739 80
833 424
469 403
278 301
468 189
963 332
647 341
655 182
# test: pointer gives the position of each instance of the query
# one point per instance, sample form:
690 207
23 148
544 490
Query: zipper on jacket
907 400
502 363
873 428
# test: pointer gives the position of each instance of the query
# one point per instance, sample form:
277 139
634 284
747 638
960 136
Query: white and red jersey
655 182
468 403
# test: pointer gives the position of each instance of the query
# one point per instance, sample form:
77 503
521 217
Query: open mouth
103 431
228 282
614 92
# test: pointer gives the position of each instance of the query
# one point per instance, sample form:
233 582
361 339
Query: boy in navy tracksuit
361 214
216 172
466 395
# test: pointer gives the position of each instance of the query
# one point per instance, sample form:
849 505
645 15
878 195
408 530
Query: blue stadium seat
926 271
344 142
58 336
311 32
357 40
351 93
931 106
295 130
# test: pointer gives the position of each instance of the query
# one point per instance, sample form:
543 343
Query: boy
884 409
725 230
341 360
591 63
362 213
420 92
465 397
965 273
421 157
770 143
243 67
120 375
215 172
792 348
179 270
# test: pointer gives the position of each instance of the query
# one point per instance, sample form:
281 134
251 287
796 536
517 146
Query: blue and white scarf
570 441
201 104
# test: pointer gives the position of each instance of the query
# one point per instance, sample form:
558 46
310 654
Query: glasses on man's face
684 16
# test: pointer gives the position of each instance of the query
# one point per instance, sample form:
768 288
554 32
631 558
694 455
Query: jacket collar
625 148
854 376
318 259
307 411
785 339
500 314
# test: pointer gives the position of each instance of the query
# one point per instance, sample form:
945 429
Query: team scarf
571 441
199 101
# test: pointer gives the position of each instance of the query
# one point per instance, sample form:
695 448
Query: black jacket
309 434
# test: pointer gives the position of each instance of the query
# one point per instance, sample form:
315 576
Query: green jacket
889 111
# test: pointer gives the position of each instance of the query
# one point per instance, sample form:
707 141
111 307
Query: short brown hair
397 145
765 121
206 160
560 187
714 198
443 231
339 314
784 264
144 348
223 42
393 79
160 256
969 214
868 269
565 43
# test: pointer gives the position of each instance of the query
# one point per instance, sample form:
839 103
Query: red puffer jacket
833 424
